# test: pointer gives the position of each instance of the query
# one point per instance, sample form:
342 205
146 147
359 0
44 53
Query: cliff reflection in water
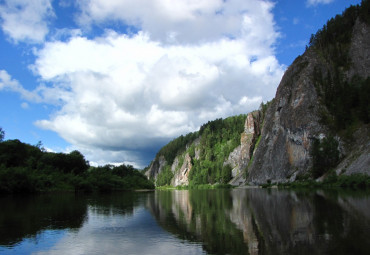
259 221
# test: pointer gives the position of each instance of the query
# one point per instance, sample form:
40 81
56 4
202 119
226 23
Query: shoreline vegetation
342 182
30 169
354 181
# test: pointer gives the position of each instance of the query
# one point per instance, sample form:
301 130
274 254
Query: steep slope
214 154
319 120
317 101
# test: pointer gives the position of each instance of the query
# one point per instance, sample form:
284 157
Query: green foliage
325 155
27 169
176 147
354 181
346 101
2 134
165 176
333 40
218 139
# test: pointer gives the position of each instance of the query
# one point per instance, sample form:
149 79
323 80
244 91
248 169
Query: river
238 221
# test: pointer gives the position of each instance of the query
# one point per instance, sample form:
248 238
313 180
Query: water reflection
201 216
241 221
26 216
258 221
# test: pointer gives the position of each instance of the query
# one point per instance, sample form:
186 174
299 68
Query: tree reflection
22 217
260 221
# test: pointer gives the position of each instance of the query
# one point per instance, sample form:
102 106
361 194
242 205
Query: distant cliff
317 124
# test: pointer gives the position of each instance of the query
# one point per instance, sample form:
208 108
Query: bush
325 155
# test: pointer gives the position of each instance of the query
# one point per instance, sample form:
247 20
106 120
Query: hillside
317 124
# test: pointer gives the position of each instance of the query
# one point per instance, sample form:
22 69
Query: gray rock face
182 174
155 168
291 122
241 156
358 159
293 119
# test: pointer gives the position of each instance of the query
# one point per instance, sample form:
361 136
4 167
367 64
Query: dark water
241 221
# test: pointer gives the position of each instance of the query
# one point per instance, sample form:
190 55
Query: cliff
318 121
302 113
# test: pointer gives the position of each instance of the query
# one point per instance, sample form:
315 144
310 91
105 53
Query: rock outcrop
242 155
181 176
291 121
155 168
294 118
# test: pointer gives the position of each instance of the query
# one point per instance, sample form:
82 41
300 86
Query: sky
119 79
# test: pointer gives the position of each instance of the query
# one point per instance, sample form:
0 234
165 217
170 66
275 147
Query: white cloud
24 20
121 96
316 2
186 21
10 84
125 93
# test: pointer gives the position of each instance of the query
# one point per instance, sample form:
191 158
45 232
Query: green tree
325 155
2 134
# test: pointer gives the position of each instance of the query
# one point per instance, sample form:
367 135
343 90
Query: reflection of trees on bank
23 217
200 216
259 221
116 203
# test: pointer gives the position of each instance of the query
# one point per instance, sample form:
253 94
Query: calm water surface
240 221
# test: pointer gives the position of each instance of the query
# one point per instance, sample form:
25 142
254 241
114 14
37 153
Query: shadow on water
260 221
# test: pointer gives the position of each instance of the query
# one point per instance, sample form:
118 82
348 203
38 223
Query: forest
28 168
346 100
217 139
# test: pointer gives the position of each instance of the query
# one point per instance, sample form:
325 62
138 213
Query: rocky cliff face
242 155
181 176
291 122
293 119
155 168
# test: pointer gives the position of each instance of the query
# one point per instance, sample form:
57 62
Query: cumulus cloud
10 84
316 2
24 20
186 21
121 96
130 93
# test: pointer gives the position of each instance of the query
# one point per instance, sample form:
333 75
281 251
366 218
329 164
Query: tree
325 155
2 134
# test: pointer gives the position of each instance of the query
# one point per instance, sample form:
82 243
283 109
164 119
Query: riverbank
191 187
355 181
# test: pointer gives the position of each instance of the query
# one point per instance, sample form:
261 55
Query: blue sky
117 80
